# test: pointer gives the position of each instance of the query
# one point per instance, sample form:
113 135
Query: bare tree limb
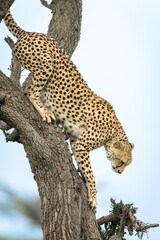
139 227
15 77
15 65
123 221
4 6
10 42
143 228
108 218
44 3
123 216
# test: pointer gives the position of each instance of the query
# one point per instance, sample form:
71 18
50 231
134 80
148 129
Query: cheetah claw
47 115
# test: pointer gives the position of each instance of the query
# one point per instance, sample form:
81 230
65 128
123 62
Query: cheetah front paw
47 115
92 199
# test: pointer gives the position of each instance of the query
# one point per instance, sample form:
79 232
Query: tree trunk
63 194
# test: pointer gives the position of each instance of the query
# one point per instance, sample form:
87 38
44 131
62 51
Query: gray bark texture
4 6
63 194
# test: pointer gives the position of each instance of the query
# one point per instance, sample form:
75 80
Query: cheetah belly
73 126
73 129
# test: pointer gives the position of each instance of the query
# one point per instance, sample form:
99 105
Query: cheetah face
120 154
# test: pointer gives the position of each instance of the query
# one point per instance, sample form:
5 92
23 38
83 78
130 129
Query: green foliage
113 228
117 207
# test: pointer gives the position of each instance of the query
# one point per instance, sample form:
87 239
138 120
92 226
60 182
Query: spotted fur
89 120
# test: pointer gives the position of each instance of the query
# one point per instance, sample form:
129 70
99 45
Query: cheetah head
119 153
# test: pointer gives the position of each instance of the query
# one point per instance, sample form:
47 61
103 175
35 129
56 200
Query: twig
138 227
143 228
44 3
15 65
10 42
133 220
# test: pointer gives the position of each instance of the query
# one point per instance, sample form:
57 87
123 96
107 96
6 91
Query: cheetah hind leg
33 93
82 158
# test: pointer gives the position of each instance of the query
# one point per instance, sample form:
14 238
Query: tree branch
44 3
15 65
140 227
123 216
106 219
4 6
123 221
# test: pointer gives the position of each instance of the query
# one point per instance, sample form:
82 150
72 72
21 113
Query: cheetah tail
12 25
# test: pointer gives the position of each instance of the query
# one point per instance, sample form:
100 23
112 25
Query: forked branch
122 217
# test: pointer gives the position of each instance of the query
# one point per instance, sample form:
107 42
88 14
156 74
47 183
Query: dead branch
123 216
15 77
44 3
10 42
105 219
123 220
15 65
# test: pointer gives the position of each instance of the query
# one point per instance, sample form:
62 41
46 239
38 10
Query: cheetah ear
132 145
118 144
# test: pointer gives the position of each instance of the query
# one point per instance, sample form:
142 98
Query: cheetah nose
119 172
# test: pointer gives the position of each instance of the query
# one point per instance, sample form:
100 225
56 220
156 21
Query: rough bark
4 6
63 194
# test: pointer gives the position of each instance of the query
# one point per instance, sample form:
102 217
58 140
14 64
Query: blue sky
119 57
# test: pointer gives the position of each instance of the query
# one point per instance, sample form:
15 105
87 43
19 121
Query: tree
63 194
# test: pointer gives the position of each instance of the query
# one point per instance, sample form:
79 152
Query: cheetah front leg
33 92
82 157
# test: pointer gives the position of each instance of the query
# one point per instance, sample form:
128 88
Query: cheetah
89 120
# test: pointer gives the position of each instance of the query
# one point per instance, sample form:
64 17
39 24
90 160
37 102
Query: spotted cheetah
89 120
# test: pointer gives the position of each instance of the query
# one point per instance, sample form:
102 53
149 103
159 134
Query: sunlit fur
90 121
121 156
